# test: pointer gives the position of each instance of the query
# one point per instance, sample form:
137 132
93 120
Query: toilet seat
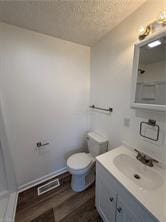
80 162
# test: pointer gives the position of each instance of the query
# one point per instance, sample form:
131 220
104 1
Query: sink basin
143 176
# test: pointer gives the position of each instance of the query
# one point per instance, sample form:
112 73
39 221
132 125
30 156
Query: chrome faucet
145 159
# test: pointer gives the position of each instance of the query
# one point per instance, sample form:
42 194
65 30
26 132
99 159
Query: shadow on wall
8 164
84 148
146 114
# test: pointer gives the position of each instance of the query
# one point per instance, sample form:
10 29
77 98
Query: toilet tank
97 144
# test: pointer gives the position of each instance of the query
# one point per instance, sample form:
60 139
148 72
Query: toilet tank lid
97 137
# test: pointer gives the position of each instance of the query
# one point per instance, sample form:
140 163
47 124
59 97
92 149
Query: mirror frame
137 46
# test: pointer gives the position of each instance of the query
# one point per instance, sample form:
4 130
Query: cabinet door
106 202
124 214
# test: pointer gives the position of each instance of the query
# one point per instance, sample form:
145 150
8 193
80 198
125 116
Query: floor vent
48 186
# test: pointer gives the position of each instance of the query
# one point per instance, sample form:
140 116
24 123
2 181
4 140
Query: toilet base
81 182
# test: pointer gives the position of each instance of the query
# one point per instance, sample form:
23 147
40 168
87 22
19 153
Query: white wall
111 61
44 83
3 182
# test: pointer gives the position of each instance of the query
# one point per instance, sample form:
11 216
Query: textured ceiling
80 21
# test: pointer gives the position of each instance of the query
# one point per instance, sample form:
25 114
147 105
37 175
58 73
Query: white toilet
82 165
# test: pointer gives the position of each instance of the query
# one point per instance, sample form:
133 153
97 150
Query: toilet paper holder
40 144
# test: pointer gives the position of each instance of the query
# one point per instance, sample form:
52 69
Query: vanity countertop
154 200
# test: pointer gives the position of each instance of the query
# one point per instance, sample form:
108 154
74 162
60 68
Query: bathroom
59 62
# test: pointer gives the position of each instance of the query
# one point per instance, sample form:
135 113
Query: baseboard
41 179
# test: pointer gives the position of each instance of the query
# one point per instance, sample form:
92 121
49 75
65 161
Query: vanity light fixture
144 31
154 44
154 26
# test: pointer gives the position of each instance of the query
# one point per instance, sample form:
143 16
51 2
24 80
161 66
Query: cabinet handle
111 199
119 209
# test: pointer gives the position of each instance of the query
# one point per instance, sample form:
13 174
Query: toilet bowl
82 165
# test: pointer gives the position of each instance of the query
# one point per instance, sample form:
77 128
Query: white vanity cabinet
106 201
114 203
124 214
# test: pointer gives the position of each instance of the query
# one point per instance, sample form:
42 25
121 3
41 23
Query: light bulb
141 30
162 17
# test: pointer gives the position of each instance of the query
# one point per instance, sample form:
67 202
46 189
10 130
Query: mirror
150 74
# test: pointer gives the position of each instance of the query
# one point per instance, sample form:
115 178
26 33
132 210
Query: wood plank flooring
59 205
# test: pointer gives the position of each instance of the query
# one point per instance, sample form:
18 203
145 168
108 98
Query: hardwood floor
59 205
45 217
